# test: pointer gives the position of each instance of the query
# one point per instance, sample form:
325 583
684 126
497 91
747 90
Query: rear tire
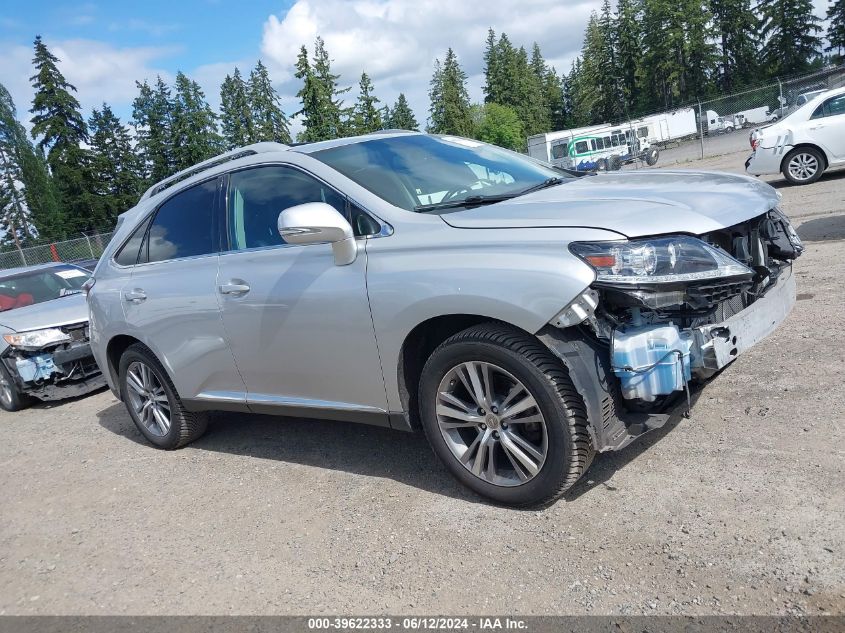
10 398
615 163
152 401
482 450
651 156
803 165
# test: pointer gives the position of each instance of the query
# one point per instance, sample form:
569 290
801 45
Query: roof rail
238 152
390 131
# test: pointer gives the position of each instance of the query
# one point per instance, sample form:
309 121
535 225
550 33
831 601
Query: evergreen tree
791 32
114 166
152 119
663 68
734 22
235 112
322 108
366 115
628 39
269 123
836 27
492 69
30 206
700 53
450 107
194 136
58 123
401 116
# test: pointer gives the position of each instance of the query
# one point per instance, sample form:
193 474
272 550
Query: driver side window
257 196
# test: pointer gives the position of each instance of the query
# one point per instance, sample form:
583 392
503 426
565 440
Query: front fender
523 277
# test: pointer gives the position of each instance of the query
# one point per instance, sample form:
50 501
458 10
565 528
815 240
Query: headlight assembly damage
52 362
674 308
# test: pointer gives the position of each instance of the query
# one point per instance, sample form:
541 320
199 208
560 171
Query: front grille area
711 294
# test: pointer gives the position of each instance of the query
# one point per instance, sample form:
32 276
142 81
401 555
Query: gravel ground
738 510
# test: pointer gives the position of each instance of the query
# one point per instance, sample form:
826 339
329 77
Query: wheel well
805 146
418 346
115 350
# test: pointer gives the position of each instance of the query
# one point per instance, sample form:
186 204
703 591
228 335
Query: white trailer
669 126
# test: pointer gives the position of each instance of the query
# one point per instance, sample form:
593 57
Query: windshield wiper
549 182
470 201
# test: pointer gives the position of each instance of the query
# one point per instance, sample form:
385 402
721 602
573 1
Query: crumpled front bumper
54 374
719 344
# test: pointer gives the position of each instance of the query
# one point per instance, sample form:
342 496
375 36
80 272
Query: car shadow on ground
360 449
828 228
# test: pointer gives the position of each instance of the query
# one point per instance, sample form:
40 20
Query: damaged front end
52 363
667 311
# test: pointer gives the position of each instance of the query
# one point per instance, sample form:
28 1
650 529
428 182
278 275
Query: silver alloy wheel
5 389
803 166
491 423
148 398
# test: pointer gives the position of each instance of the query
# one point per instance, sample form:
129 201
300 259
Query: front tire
803 165
502 414
10 398
153 403
602 164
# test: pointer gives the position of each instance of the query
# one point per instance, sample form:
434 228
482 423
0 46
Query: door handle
135 296
234 288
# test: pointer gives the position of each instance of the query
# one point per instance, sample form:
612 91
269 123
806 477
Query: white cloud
396 41
99 71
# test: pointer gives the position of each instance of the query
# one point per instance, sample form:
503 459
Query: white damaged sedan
803 144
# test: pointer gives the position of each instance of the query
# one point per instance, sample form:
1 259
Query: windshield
37 286
414 172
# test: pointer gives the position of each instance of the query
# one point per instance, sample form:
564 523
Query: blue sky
104 46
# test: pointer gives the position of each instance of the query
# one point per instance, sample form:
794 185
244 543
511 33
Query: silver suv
523 317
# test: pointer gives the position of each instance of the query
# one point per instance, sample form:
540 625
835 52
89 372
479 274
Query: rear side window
128 255
559 151
831 107
183 226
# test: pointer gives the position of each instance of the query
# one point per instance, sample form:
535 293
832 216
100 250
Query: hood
55 313
633 204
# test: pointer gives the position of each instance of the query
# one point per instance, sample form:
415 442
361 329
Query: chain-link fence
81 249
705 128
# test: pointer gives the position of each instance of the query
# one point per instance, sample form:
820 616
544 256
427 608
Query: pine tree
734 22
194 136
30 207
114 166
366 115
492 69
235 113
836 27
152 119
663 68
322 108
58 122
401 117
700 53
791 32
628 40
450 107
269 123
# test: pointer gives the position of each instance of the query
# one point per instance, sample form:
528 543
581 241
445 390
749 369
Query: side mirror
319 223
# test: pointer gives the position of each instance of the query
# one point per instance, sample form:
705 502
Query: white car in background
803 144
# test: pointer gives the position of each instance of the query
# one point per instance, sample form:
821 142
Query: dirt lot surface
740 509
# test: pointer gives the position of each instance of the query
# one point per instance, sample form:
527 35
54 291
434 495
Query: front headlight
660 260
36 339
